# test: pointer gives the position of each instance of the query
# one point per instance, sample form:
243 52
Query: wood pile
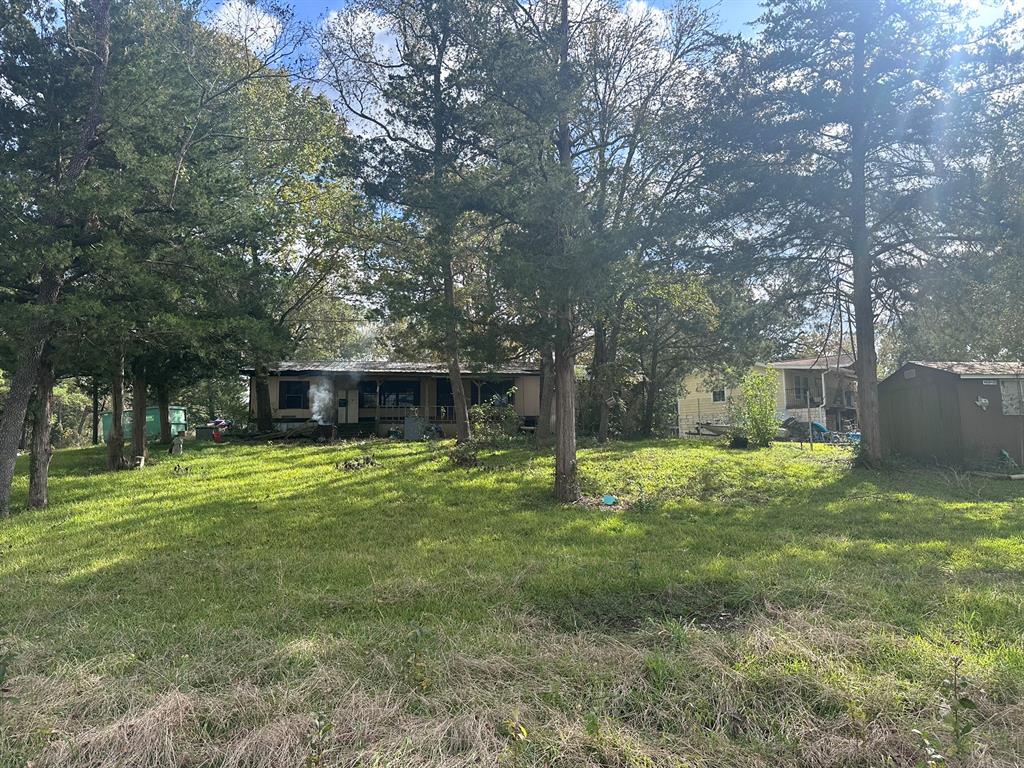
301 432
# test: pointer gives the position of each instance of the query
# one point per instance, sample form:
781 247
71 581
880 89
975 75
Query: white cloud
359 42
638 10
371 27
256 28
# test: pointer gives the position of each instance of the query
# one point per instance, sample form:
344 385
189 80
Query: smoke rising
320 399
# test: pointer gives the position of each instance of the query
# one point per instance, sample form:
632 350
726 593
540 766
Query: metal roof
375 367
821 363
975 368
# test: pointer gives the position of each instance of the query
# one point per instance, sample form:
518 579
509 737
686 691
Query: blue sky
734 13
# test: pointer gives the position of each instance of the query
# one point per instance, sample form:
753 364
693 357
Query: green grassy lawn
268 608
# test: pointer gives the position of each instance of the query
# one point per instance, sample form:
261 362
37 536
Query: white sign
1011 391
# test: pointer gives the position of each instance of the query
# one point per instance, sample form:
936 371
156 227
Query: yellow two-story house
822 389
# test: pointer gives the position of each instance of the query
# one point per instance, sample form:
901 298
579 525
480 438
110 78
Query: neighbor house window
500 391
849 399
293 394
718 396
443 396
367 394
399 394
392 394
802 388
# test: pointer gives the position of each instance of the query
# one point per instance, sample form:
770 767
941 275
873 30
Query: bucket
217 436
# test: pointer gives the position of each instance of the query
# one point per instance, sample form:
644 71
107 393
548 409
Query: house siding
527 400
696 404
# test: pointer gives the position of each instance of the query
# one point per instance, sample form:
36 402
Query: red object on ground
216 435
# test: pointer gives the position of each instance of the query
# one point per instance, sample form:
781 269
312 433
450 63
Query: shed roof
974 369
820 363
374 367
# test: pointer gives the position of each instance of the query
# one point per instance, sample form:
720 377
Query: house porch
374 404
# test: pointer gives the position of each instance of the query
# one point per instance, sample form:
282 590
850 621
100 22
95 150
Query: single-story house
823 389
964 413
375 395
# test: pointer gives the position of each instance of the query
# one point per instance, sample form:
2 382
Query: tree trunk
598 370
567 487
95 411
12 421
651 389
101 60
442 241
211 401
611 356
163 402
264 414
80 426
42 448
651 392
546 419
604 419
863 299
463 432
140 447
115 440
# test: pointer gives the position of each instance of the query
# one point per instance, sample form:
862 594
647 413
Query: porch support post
376 403
334 400
824 398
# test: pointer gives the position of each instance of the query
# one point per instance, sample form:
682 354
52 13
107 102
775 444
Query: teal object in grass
608 500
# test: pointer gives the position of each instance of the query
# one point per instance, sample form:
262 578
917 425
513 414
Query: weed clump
356 464
465 455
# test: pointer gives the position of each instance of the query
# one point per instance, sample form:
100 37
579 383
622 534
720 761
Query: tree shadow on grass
309 552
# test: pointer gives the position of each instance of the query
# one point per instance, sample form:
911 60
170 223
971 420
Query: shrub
495 421
465 454
753 412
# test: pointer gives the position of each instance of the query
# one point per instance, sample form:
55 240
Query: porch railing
836 399
437 414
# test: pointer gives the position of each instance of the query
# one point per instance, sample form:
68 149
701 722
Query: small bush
494 422
465 454
753 412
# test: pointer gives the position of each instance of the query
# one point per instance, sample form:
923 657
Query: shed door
923 422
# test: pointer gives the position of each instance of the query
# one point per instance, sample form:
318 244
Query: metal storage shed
963 413
176 415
